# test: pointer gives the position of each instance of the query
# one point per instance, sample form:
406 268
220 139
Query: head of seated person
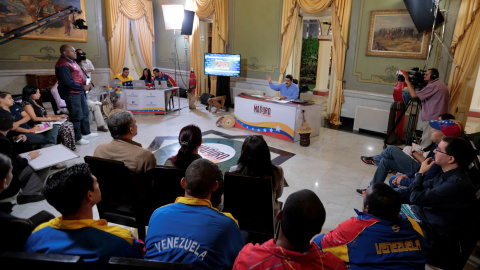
6 174
147 75
6 100
301 218
453 152
122 125
382 201
200 179
190 139
31 94
255 159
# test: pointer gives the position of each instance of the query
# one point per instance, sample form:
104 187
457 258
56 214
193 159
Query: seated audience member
443 205
33 106
439 130
124 76
190 139
161 76
93 106
301 218
123 127
255 161
190 230
147 76
393 158
16 230
25 178
366 241
74 192
21 118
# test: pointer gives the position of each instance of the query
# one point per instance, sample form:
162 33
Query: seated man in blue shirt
74 192
288 90
378 238
444 205
191 231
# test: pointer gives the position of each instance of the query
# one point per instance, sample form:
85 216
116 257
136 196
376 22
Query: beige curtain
203 9
118 14
464 44
341 10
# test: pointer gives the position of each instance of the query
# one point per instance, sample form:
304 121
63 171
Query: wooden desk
276 119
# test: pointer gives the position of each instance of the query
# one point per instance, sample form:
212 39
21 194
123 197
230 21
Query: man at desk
160 76
124 76
288 90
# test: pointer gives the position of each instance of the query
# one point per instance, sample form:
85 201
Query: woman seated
16 230
33 106
147 76
21 118
255 161
190 139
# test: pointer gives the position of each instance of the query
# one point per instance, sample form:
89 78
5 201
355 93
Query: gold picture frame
15 14
393 34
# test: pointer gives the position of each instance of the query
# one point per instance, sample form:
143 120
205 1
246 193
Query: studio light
173 16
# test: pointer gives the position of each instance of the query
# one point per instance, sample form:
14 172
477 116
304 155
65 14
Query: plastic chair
26 260
120 263
250 201
120 203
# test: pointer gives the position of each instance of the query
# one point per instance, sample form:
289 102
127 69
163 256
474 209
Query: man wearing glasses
443 205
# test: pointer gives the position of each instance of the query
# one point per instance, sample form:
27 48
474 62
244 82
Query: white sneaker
82 142
91 135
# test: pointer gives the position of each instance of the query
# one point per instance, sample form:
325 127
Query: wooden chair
217 102
27 260
250 201
120 263
123 201
166 186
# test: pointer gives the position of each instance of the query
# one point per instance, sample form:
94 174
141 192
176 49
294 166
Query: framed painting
18 13
393 34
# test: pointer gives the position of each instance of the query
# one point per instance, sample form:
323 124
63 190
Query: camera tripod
412 121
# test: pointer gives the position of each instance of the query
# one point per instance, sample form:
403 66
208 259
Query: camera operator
435 100
84 63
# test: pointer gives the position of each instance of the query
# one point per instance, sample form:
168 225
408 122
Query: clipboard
50 156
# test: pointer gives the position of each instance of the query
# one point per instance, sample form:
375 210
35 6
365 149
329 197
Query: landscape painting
393 34
18 13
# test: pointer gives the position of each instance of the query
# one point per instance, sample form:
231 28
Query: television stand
223 89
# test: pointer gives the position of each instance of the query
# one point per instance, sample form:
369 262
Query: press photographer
434 97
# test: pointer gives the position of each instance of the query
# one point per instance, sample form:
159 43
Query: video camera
416 78
80 57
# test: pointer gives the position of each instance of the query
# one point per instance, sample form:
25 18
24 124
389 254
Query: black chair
166 186
123 197
120 263
250 201
26 260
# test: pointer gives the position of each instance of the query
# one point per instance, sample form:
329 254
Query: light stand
436 3
173 17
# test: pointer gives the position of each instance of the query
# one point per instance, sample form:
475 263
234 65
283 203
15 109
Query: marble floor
330 166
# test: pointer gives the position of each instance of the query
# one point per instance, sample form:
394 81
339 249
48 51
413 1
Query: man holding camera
435 100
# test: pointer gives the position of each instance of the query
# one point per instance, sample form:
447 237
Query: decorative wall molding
354 98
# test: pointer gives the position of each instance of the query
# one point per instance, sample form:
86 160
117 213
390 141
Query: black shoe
23 199
368 160
361 191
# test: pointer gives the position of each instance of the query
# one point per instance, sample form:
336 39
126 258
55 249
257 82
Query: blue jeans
44 138
78 109
393 158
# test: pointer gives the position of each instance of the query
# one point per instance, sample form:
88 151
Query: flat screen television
222 64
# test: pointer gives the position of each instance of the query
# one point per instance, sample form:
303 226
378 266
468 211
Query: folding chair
120 203
250 201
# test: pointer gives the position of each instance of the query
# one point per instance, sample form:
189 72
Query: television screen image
222 64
